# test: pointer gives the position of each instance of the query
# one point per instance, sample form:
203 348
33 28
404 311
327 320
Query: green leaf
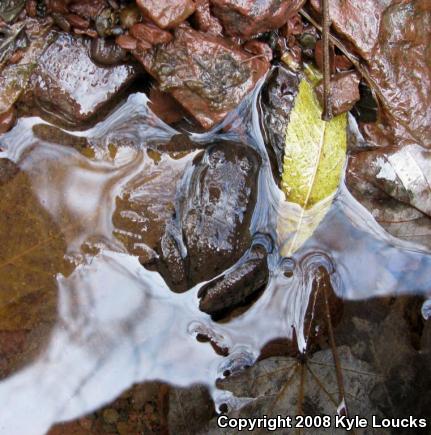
315 154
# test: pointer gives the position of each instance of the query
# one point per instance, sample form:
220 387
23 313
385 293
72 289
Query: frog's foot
171 262
247 276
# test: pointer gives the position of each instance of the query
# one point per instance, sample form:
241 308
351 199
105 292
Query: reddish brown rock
401 69
67 84
294 26
394 38
259 49
344 91
77 22
204 20
246 18
204 73
143 46
30 7
7 120
58 6
129 16
164 106
88 9
127 42
166 13
357 22
150 33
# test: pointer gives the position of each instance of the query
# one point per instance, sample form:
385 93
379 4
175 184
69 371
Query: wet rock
211 229
259 49
88 9
106 52
403 74
248 18
337 62
14 77
204 20
204 73
77 22
276 102
61 22
166 13
126 42
7 120
357 22
129 16
164 106
294 26
344 91
150 33
393 37
110 415
105 23
30 7
58 6
69 86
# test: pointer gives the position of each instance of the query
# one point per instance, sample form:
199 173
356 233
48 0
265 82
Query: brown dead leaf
393 38
31 256
395 186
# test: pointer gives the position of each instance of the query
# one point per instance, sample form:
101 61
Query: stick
327 109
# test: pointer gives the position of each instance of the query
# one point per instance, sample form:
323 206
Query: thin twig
380 98
301 387
327 109
377 93
355 61
338 369
280 394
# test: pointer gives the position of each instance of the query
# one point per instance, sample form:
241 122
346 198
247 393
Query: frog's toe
170 264
238 283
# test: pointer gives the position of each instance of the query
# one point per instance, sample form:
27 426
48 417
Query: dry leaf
32 255
395 185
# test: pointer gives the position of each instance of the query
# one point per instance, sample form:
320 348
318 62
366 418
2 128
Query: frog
208 240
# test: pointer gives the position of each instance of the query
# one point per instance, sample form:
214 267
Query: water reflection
118 323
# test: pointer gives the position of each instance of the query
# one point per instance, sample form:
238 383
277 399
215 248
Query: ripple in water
119 323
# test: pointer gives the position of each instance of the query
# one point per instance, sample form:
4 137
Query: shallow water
118 323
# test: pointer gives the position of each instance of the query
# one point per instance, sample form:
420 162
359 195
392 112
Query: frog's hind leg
171 263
